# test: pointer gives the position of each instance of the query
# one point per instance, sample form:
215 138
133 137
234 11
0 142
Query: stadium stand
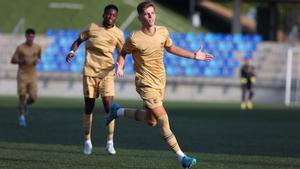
222 46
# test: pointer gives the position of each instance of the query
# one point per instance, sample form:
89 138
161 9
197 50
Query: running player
147 46
27 55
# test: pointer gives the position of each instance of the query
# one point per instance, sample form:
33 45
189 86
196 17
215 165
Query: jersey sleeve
120 42
84 35
168 41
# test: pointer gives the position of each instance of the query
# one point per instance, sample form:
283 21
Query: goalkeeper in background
248 79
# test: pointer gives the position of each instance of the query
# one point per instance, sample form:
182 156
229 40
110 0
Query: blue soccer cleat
188 162
113 113
22 121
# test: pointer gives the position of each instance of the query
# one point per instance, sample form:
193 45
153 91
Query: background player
248 79
147 46
98 72
26 55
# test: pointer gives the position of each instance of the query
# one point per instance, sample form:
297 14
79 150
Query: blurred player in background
248 79
147 48
27 55
98 73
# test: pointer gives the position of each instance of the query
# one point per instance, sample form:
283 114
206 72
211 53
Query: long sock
110 130
243 95
136 114
180 155
168 135
21 108
88 119
251 94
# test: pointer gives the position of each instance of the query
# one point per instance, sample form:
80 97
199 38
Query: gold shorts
95 86
27 85
152 98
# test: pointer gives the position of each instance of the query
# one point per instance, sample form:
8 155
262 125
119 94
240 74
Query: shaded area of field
220 135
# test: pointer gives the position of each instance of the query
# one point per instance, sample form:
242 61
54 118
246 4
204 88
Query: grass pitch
220 136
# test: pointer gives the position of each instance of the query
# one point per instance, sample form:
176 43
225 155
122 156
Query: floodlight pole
288 82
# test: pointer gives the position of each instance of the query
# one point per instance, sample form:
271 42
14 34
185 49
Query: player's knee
163 121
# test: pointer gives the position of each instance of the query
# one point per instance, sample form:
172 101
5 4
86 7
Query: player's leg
22 120
107 91
22 91
107 102
135 114
90 95
88 121
32 91
251 94
170 138
243 99
140 115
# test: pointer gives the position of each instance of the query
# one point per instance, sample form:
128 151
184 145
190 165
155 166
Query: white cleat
22 121
88 147
110 149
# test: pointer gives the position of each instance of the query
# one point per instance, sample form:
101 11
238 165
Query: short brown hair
144 5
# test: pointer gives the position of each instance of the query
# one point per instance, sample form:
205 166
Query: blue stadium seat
222 46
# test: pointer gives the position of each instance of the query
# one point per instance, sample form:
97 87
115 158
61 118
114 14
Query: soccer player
147 46
26 55
248 79
98 73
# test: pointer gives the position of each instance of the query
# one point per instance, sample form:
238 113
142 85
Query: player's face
148 17
29 38
110 17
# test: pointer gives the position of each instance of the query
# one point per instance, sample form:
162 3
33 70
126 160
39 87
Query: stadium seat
222 46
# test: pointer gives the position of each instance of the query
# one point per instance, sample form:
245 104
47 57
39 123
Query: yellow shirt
148 53
100 45
29 54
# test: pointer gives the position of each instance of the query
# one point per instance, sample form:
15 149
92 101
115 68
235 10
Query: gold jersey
148 53
27 54
100 45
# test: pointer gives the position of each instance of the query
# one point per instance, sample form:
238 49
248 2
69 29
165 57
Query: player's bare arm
120 64
74 47
198 55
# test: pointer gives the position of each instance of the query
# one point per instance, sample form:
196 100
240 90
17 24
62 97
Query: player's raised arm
120 64
74 47
198 55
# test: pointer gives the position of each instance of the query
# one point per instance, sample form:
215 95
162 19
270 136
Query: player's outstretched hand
119 71
203 56
69 57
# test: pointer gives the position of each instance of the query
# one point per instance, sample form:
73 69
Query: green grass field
220 136
37 14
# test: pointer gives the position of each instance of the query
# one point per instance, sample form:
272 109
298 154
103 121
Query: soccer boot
22 121
113 113
188 162
87 147
249 105
243 106
110 149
